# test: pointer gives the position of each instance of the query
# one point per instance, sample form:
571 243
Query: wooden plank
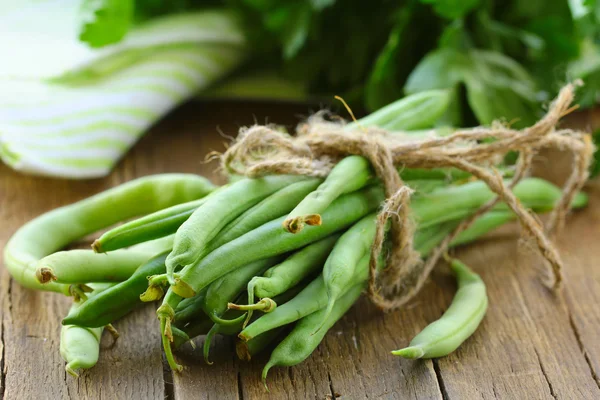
207 382
580 251
358 359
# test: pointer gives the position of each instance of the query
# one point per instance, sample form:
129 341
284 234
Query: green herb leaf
105 21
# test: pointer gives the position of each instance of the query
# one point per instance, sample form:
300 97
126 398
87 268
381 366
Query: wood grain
532 344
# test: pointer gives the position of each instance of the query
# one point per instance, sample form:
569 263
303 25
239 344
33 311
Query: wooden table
532 344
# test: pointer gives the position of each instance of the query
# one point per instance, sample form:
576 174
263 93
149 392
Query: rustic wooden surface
533 344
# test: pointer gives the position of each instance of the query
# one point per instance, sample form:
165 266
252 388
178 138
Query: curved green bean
80 346
458 323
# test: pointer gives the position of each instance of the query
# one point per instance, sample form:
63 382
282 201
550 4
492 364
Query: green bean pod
151 226
303 340
119 300
295 268
194 235
83 266
276 205
55 229
443 174
80 346
350 174
226 289
340 267
191 308
417 111
458 202
237 316
457 324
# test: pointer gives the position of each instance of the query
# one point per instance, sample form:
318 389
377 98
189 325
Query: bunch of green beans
273 261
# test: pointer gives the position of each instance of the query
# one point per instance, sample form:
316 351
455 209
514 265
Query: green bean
424 186
276 205
280 278
350 174
194 235
311 299
235 315
458 323
426 239
55 229
225 289
443 174
340 266
151 226
82 266
119 300
458 202
417 111
303 340
191 308
79 346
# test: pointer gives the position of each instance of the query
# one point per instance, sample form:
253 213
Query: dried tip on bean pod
296 224
242 351
113 332
265 305
183 289
155 289
97 247
45 275
153 293
79 291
